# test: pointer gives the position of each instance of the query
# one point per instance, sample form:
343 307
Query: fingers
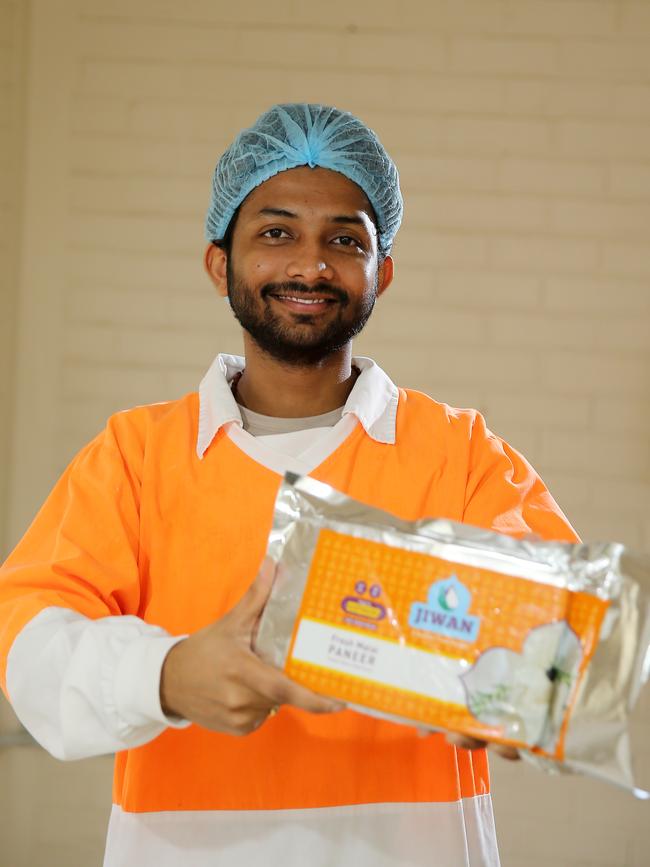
464 741
303 698
467 743
276 689
245 720
251 605
506 752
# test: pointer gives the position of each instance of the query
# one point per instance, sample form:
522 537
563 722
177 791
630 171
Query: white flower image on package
515 690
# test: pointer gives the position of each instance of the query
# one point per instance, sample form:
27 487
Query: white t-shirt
289 436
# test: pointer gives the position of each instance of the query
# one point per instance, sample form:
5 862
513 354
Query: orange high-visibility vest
139 525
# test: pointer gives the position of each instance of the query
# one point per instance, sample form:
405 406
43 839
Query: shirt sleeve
505 494
85 687
79 666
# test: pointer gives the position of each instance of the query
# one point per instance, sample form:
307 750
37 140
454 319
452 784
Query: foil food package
543 646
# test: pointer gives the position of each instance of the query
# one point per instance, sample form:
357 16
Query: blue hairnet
303 134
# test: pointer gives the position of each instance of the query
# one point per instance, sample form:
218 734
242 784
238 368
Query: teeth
302 300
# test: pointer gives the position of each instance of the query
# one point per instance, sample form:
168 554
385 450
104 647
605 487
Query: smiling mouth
307 304
300 300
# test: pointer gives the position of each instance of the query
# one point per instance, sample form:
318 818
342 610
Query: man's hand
214 678
467 743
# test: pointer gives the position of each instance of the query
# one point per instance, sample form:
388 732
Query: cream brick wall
12 37
12 73
522 132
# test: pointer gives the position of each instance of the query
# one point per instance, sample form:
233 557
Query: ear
215 261
385 275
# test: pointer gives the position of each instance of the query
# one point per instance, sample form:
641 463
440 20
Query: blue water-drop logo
446 611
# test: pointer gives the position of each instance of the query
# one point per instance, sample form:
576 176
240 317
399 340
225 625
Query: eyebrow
340 218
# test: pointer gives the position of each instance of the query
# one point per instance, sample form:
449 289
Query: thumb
251 605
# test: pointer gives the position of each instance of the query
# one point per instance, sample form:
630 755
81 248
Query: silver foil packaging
540 645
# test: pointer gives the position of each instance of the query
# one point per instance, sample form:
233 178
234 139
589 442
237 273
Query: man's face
303 273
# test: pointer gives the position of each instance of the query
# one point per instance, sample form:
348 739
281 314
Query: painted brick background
12 73
521 129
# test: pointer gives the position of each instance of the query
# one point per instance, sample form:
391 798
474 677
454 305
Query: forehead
306 190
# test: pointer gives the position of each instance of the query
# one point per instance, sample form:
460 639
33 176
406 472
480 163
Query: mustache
294 286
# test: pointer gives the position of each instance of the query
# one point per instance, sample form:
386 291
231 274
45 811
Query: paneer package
543 646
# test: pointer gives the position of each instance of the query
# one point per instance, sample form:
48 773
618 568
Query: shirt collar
373 400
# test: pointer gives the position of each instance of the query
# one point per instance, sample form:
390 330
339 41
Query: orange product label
440 643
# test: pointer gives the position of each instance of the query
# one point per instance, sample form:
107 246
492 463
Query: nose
309 264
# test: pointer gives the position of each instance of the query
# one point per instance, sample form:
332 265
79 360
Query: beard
305 341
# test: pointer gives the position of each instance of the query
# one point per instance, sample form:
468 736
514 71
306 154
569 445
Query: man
128 610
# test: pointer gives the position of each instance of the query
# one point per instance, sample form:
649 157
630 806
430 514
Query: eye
348 241
275 232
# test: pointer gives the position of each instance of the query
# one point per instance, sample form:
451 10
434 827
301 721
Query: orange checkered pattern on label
350 578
